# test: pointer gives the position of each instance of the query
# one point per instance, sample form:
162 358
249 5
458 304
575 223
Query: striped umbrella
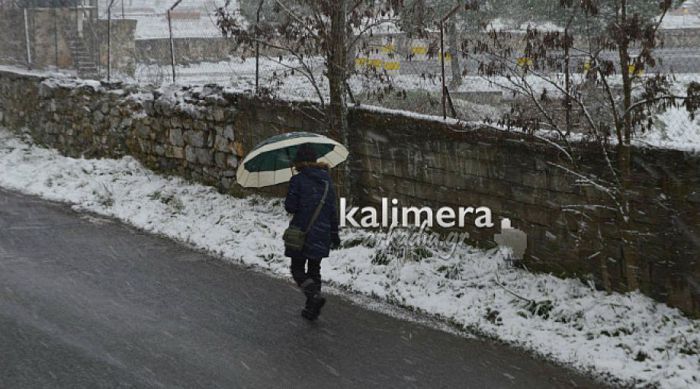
270 162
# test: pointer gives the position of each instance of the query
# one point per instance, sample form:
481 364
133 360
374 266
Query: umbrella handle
291 168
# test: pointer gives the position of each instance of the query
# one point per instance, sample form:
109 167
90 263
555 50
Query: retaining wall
203 133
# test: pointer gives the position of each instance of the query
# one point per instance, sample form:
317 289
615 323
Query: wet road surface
87 302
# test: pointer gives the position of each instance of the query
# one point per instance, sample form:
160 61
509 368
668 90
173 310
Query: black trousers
304 269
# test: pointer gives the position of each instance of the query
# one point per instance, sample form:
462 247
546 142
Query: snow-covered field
628 338
413 75
688 20
282 76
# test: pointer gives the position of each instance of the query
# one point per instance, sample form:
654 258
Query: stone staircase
82 58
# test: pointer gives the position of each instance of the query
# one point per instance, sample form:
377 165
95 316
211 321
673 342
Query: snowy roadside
625 337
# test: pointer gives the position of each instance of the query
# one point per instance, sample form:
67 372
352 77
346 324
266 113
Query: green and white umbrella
270 162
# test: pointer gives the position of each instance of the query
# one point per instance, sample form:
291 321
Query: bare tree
588 78
306 30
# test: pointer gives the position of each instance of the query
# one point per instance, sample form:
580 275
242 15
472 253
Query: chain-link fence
395 62
179 41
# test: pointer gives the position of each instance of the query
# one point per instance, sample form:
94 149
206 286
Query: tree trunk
452 38
630 254
567 81
337 75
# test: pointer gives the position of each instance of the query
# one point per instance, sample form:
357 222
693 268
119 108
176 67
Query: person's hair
305 153
299 166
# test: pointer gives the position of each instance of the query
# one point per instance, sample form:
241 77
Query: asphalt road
87 302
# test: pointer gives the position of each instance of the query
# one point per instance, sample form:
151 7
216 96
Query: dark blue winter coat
304 195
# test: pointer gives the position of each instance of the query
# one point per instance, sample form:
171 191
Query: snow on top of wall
507 25
34 72
673 129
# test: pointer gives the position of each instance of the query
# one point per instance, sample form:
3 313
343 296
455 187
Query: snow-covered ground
683 21
239 74
685 16
673 129
626 337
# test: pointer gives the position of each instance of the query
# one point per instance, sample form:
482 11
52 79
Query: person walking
311 199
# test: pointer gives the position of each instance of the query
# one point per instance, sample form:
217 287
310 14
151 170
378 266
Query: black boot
314 300
313 307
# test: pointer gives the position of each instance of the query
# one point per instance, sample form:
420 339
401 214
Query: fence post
172 43
55 36
257 48
442 60
442 69
26 39
109 40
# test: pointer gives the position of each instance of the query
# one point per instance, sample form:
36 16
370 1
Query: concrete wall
194 50
203 133
49 32
187 50
47 47
681 38
123 45
688 38
13 48
49 38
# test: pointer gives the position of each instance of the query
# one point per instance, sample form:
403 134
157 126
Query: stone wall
424 162
202 134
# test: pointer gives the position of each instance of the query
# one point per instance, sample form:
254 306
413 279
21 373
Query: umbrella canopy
269 163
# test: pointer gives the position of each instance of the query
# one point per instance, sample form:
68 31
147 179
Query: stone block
190 154
194 138
228 132
175 137
222 144
179 152
232 161
218 114
220 159
204 156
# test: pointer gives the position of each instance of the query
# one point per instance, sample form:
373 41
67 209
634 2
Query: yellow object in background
376 62
419 50
632 70
392 65
525 62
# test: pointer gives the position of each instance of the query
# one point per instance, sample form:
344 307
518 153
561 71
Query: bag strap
318 208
